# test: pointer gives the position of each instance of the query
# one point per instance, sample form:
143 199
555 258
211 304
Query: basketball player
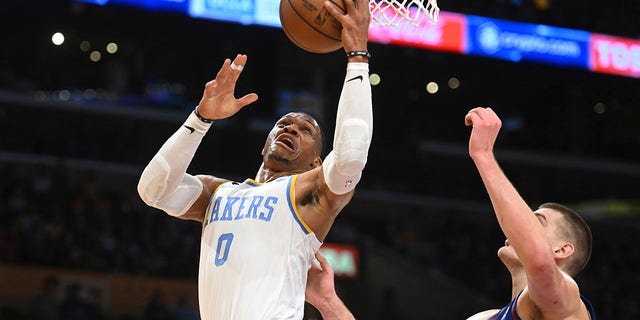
544 249
259 236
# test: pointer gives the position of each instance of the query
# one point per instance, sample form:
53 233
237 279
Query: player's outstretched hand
485 125
355 23
218 100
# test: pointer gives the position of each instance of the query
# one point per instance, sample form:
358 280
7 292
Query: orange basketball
309 25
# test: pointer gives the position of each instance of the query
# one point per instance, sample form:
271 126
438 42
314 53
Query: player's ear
564 250
316 162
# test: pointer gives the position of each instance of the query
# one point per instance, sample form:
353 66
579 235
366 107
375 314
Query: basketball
309 25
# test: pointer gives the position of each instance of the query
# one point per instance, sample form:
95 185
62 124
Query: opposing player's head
570 237
568 234
295 143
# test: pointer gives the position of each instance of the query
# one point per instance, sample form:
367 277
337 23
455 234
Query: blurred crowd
55 217
56 301
62 219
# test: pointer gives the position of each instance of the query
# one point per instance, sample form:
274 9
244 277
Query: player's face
549 220
293 141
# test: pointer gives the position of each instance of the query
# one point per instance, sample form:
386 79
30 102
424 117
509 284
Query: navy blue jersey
509 312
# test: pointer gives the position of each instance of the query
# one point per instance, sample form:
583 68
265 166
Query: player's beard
279 158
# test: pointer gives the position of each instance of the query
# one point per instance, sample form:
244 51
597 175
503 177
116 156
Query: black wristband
205 120
359 53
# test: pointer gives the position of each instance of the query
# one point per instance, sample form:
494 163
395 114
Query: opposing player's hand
355 23
485 125
218 100
320 285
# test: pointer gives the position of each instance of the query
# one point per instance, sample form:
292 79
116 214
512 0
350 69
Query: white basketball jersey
255 253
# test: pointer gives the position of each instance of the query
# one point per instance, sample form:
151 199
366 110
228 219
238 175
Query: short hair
575 230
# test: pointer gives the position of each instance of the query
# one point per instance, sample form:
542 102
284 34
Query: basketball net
392 12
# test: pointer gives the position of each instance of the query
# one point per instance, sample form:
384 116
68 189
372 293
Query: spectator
183 310
157 307
44 305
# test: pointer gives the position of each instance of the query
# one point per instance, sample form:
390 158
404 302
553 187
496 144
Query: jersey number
222 250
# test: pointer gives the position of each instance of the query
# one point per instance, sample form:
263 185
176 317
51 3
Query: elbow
541 265
351 166
150 188
351 161
146 195
143 195
351 146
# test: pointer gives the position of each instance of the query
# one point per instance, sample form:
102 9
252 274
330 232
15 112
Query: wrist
482 157
333 308
358 56
200 117
195 122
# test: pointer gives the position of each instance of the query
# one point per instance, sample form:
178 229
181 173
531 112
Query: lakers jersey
255 252
509 312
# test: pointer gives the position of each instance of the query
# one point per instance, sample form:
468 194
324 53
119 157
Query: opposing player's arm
320 292
548 288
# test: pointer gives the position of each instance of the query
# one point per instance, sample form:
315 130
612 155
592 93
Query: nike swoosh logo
356 78
190 128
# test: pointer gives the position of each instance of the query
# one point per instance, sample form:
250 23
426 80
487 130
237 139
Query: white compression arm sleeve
343 166
164 183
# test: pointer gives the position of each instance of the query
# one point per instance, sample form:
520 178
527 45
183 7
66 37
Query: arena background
75 135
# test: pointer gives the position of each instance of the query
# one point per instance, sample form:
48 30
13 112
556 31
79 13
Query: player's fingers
224 75
482 112
211 84
315 267
334 10
476 109
490 112
467 117
489 116
323 261
324 264
471 118
231 70
247 99
209 88
225 66
237 65
350 5
241 59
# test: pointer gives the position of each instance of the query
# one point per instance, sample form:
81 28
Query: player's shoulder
570 304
